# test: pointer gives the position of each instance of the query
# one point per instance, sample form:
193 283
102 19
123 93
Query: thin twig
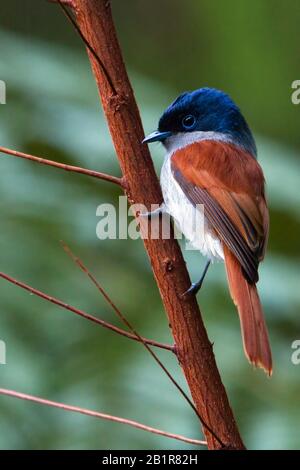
88 45
68 3
63 166
97 414
83 314
128 324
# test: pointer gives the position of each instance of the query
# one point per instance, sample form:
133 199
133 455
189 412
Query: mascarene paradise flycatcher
211 160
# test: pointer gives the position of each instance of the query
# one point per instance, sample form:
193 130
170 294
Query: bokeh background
248 49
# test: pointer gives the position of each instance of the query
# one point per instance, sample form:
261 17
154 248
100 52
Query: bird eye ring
188 121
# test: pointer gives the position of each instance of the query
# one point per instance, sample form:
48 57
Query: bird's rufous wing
229 182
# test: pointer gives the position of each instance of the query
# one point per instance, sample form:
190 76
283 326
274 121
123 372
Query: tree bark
193 347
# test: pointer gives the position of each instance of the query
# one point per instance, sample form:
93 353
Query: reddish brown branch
63 166
193 347
83 314
97 414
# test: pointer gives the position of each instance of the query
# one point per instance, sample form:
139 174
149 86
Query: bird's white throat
182 139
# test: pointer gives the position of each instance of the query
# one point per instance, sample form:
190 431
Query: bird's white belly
190 220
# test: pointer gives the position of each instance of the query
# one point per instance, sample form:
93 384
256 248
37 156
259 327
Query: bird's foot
196 286
194 289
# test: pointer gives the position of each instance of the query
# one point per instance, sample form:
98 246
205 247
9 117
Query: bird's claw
155 213
193 290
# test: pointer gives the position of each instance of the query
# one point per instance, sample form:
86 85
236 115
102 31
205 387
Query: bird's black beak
156 136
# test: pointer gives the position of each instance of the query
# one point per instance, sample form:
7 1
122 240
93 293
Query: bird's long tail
253 326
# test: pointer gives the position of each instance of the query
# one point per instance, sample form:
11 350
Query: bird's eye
188 121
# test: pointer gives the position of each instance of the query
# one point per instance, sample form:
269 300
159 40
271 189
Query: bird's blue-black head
207 110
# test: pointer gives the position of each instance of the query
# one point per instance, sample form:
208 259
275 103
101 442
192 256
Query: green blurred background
249 49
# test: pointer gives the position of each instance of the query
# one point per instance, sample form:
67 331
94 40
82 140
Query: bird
211 162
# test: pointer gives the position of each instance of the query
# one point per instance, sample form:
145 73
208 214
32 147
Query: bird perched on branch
211 163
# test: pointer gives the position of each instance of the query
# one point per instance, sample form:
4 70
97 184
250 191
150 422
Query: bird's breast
190 220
